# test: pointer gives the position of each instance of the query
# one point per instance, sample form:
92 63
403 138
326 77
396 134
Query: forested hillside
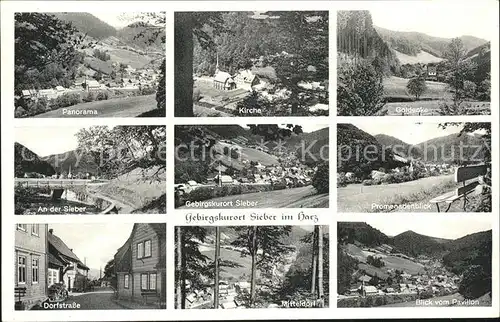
87 24
26 161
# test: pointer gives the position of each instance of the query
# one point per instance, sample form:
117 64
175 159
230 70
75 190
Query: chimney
51 231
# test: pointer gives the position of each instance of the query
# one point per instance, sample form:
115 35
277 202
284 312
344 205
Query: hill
360 152
398 146
421 57
448 148
413 244
141 37
357 37
26 161
87 24
351 232
471 249
412 43
76 160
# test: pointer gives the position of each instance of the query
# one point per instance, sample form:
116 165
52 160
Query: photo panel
407 262
251 166
90 170
89 64
251 63
254 267
97 266
414 167
385 69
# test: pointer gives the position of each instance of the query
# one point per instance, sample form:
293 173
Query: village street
100 299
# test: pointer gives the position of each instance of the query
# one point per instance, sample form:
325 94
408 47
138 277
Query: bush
359 91
321 179
102 96
342 180
20 112
367 182
89 97
469 89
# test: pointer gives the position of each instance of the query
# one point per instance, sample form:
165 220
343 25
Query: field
115 107
246 154
390 262
228 273
202 111
426 108
128 57
359 198
303 197
395 87
422 57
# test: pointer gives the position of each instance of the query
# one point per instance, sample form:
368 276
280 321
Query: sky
116 19
97 243
447 20
49 140
442 227
412 133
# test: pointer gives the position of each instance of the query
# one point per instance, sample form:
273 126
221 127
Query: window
147 248
144 281
21 269
34 268
53 276
22 227
140 250
35 230
126 281
152 281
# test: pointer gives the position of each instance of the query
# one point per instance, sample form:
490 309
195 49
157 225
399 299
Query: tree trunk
254 265
180 274
183 61
217 256
314 262
320 262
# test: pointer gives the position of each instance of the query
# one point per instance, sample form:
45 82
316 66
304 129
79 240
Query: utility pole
217 256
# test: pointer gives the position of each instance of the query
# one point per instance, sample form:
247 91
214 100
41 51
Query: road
98 300
115 107
303 197
57 183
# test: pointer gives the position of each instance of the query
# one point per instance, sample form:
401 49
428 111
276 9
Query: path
115 107
99 300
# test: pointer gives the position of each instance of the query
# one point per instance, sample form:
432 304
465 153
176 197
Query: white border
328 216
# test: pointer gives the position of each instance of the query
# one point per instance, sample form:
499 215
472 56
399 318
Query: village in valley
104 71
252 64
412 269
233 167
49 274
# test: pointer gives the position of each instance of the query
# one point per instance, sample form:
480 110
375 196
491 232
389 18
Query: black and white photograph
412 262
90 170
111 266
89 64
414 167
251 63
252 266
251 166
414 59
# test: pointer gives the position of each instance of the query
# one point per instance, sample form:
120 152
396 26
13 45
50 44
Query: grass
422 57
248 154
138 191
115 107
359 198
395 87
303 197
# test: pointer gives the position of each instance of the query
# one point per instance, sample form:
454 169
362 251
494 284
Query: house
364 279
246 79
432 72
64 266
223 81
223 179
30 246
140 265
29 93
368 290
93 84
